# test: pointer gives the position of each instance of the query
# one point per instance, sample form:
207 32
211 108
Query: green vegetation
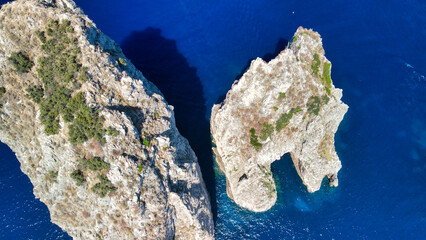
122 62
285 118
282 95
78 177
82 77
50 107
275 108
61 61
316 64
72 106
94 164
324 148
283 121
20 62
41 36
315 103
325 99
140 168
267 131
2 91
254 140
296 109
104 186
59 70
86 124
294 38
326 77
53 175
145 142
156 115
35 93
112 131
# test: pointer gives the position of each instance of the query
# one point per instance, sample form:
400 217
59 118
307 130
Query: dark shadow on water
281 45
293 194
161 62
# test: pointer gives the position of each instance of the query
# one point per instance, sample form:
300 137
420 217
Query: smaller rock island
287 105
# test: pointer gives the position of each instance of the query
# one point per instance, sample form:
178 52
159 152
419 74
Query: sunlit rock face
127 175
287 105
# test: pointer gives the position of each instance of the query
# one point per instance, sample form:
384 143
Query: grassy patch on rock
112 132
267 131
78 177
254 141
2 91
315 103
62 74
104 186
53 175
316 64
268 128
20 62
94 164
326 77
285 118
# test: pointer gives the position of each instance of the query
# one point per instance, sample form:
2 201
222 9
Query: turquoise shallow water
194 50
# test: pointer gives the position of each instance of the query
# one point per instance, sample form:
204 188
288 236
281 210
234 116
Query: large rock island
97 140
288 105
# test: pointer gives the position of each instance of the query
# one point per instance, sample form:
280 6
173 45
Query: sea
193 50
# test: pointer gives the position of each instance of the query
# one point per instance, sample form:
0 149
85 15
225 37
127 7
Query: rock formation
97 140
288 105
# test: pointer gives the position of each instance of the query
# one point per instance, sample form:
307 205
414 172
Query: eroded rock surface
148 181
288 105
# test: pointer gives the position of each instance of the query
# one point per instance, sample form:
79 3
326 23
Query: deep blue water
21 215
193 50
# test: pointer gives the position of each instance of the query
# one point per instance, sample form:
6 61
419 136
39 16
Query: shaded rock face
286 105
158 191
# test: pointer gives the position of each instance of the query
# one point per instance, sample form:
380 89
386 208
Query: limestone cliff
286 105
97 140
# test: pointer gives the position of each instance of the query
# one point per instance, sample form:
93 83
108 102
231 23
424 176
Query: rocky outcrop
288 105
128 173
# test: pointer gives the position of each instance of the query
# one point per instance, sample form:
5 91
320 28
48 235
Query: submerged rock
97 140
288 105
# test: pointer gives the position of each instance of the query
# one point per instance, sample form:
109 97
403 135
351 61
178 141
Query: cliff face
97 140
288 105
